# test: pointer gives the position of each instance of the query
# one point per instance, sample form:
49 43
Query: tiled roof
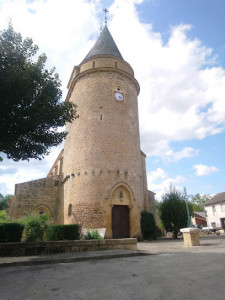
104 45
218 198
200 213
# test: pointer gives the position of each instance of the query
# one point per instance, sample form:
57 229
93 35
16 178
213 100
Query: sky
177 51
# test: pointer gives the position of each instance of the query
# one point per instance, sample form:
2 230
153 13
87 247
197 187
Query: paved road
168 275
208 244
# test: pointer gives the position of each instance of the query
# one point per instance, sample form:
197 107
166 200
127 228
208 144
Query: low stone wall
24 249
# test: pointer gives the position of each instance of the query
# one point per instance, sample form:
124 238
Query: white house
215 211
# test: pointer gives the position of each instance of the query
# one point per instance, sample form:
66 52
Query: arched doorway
121 211
120 221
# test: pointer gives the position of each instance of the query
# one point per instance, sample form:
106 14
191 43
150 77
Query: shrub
35 226
92 234
148 225
63 232
4 217
11 232
158 231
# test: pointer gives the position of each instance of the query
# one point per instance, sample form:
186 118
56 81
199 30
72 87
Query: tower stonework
102 157
99 179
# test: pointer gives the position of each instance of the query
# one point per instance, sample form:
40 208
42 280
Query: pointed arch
42 208
121 194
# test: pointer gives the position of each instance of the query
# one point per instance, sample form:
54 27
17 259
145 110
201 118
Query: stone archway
42 209
121 197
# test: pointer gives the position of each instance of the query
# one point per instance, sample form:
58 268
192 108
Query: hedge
148 225
62 232
11 232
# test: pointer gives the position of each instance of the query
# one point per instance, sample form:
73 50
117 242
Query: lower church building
99 178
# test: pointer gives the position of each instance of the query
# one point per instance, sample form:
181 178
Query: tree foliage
4 201
173 211
198 201
30 96
4 217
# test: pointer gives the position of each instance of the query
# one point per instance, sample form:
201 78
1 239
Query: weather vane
106 11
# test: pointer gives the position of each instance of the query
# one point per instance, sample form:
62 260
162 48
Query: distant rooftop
200 213
104 45
218 198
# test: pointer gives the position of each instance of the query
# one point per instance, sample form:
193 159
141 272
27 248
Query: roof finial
106 11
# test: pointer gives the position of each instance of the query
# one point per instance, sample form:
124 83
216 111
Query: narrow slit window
93 64
70 210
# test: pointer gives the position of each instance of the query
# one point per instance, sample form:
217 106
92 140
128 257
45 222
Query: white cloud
157 174
159 181
203 170
187 152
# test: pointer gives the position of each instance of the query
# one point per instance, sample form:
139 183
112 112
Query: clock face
119 96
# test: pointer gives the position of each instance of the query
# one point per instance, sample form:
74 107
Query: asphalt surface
173 272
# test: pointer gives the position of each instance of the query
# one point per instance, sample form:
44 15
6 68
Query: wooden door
120 221
222 223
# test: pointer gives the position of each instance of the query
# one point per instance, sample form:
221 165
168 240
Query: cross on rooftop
106 11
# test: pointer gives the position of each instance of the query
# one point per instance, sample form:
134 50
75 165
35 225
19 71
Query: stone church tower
100 175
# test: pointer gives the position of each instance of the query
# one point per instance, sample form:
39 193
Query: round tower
104 182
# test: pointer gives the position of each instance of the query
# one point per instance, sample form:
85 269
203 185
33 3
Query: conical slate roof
104 45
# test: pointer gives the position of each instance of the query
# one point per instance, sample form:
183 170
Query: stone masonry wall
46 193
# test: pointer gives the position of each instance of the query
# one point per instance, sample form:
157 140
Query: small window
93 64
223 207
70 210
116 64
214 210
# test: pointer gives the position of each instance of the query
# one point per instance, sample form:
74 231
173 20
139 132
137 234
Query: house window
223 207
214 210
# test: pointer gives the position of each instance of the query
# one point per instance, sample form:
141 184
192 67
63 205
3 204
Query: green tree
4 201
173 211
31 109
198 201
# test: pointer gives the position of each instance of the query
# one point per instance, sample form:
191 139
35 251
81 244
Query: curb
71 259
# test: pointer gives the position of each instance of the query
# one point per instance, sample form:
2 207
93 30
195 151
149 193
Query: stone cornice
101 69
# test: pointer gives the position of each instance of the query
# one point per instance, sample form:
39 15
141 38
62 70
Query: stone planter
191 236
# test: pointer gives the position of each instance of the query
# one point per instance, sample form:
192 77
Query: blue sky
177 51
